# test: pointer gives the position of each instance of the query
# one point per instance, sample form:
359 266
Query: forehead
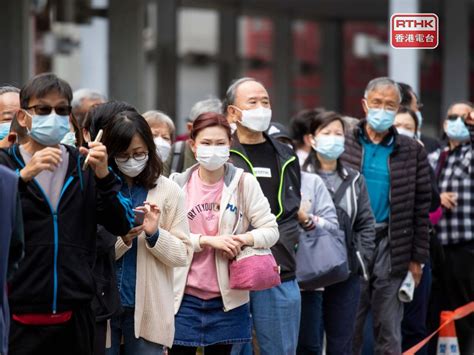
250 89
137 142
10 99
159 127
214 132
334 125
386 92
404 118
52 98
460 109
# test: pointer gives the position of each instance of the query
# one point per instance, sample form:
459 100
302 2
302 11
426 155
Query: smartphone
139 217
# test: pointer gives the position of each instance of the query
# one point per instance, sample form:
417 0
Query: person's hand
244 239
449 200
417 271
224 243
151 221
470 119
132 234
97 158
45 159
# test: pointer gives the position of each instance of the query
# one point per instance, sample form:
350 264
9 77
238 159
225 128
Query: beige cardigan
154 308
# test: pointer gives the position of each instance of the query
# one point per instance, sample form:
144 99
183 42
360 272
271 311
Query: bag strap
339 194
178 157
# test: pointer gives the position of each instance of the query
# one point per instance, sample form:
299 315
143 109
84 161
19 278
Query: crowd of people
119 237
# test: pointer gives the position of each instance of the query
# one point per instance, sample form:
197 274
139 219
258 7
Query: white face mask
257 120
212 157
163 148
132 167
233 127
406 132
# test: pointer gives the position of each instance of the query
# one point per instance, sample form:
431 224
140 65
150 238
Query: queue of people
118 239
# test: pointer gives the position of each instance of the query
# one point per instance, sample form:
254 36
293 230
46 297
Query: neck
374 136
129 180
246 136
453 144
327 165
211 177
31 146
305 148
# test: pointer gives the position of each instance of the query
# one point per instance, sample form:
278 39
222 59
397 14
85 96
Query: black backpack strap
339 194
177 161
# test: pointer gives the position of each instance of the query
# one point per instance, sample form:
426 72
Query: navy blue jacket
60 241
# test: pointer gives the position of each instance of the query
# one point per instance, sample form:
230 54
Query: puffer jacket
410 196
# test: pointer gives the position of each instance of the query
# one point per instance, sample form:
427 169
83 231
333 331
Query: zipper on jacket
54 213
280 188
245 159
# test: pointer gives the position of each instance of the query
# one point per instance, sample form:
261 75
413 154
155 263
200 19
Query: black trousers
75 337
218 349
100 337
458 280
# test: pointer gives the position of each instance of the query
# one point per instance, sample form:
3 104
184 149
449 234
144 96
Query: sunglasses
455 117
44 110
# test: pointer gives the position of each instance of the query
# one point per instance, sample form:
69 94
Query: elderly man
275 312
397 173
9 105
83 100
455 174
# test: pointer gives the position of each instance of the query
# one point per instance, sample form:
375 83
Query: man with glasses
396 170
455 174
62 204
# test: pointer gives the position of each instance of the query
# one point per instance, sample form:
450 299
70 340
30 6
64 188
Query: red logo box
414 31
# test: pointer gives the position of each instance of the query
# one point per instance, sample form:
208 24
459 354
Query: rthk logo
414 31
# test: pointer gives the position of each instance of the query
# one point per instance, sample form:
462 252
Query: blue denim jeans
310 340
124 325
340 305
276 320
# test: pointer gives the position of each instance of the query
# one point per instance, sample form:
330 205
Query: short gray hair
161 118
232 90
89 94
380 82
7 88
200 107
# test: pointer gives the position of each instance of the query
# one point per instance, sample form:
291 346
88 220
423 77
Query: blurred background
168 54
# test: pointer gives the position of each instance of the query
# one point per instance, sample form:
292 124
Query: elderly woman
163 130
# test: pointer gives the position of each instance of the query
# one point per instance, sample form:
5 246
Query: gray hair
232 90
380 82
82 94
160 118
7 88
200 107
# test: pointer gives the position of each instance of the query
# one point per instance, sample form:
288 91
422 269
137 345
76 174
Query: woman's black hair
99 115
300 125
319 122
118 134
404 109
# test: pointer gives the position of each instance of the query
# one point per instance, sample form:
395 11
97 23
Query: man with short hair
455 230
181 156
83 100
397 173
9 106
275 312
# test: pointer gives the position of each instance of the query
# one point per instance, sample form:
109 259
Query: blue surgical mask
4 129
457 130
329 147
50 129
69 139
380 119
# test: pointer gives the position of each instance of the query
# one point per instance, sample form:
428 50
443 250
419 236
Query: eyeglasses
43 110
455 117
122 158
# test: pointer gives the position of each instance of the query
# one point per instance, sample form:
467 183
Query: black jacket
289 199
60 241
410 196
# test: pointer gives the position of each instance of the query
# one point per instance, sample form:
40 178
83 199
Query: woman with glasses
159 241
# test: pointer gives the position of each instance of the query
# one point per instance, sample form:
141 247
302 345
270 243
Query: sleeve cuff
152 239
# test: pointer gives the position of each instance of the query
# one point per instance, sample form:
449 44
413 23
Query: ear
364 106
232 115
308 140
445 125
86 135
192 145
23 119
189 126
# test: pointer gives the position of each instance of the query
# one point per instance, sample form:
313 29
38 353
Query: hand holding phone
139 217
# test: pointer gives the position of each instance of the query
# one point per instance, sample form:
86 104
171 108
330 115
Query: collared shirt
376 171
457 175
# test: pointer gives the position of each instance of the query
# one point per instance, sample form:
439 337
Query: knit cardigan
154 298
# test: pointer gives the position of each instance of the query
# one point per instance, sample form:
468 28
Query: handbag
253 269
321 258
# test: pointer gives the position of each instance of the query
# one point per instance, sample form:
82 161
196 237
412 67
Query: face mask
4 129
329 147
420 119
50 129
257 120
69 139
233 127
406 132
132 167
457 130
212 157
163 148
380 119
